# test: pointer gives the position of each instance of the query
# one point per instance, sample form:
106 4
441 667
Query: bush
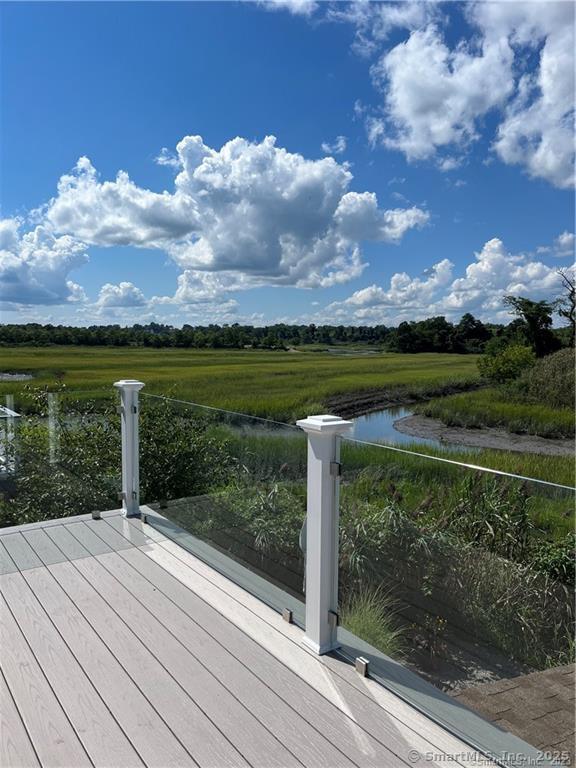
506 365
551 380
179 456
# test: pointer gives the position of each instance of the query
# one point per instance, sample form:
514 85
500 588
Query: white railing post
322 529
129 389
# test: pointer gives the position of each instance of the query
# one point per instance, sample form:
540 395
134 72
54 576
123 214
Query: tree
567 303
470 335
537 316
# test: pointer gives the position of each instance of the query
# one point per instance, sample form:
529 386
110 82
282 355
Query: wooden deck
119 648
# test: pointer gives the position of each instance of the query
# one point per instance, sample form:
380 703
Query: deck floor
119 648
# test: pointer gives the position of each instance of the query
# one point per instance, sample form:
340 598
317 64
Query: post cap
325 424
133 384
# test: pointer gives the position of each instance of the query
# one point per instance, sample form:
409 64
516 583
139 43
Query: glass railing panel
232 489
61 455
462 575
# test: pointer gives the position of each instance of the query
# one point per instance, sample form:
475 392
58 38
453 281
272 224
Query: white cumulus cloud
125 294
117 212
435 94
34 267
494 273
537 132
252 208
564 244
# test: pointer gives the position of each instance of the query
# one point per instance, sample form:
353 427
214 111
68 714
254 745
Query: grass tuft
370 614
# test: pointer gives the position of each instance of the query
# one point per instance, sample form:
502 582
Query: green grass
279 385
426 487
369 614
492 407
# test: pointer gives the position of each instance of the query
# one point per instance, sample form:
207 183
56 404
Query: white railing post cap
325 424
133 384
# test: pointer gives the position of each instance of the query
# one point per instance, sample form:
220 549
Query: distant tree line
436 334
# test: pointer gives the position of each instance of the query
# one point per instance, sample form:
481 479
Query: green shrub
551 381
179 453
507 364
179 456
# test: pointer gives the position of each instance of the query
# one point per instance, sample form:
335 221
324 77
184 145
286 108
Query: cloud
77 294
494 273
358 217
165 157
435 96
122 295
251 208
34 267
296 7
249 214
562 246
538 128
337 147
197 287
405 291
374 22
117 212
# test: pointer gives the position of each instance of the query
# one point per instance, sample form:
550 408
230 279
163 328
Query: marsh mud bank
430 431
349 405
486 437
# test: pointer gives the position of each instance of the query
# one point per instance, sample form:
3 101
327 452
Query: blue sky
450 185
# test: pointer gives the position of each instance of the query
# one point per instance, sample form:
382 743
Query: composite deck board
124 649
109 535
67 543
147 731
135 534
7 565
188 722
16 750
86 537
51 732
374 693
294 726
405 723
245 715
44 547
396 735
98 731
196 623
284 641
230 716
21 552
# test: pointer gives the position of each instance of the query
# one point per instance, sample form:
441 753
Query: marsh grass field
276 384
